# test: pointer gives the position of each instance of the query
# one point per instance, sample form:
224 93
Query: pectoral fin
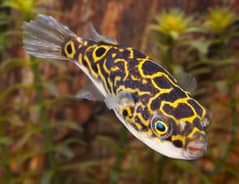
186 80
120 100
90 92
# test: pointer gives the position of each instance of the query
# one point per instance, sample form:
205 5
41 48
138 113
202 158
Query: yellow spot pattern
93 56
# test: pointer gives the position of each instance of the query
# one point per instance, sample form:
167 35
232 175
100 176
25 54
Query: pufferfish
144 96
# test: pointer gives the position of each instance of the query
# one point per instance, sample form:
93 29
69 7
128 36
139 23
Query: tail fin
44 37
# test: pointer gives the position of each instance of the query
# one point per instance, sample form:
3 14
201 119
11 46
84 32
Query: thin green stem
4 156
169 64
44 117
160 161
118 156
169 55
234 121
233 109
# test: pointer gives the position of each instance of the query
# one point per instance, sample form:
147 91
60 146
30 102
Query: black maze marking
104 75
143 127
176 129
94 68
84 63
69 48
75 44
144 99
82 50
93 64
197 123
119 65
125 54
100 51
90 42
195 105
139 110
135 97
155 104
187 129
133 67
197 135
162 82
115 74
128 83
89 54
178 143
138 54
173 95
109 61
78 52
150 68
125 113
144 112
179 112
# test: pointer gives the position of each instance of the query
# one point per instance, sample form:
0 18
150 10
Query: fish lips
196 148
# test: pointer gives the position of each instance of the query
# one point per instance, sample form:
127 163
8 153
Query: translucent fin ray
90 92
44 37
101 38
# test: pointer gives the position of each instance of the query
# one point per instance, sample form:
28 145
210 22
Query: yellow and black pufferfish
146 98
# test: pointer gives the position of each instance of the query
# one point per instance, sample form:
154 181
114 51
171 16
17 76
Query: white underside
96 83
164 147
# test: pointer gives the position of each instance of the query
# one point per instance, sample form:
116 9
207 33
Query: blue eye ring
161 128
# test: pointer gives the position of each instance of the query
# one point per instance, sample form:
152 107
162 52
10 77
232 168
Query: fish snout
196 147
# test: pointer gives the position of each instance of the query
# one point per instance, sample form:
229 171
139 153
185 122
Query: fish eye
160 127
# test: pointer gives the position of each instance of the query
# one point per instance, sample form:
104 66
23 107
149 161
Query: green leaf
70 124
65 151
201 45
12 63
47 177
6 140
107 141
9 90
63 147
85 166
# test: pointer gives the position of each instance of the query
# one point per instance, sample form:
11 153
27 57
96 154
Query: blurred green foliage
38 144
204 50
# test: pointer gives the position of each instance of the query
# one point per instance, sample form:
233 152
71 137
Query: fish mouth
195 149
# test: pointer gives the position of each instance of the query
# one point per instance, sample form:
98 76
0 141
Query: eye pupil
160 126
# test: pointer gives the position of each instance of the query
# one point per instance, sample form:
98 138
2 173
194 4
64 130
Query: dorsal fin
186 80
94 35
